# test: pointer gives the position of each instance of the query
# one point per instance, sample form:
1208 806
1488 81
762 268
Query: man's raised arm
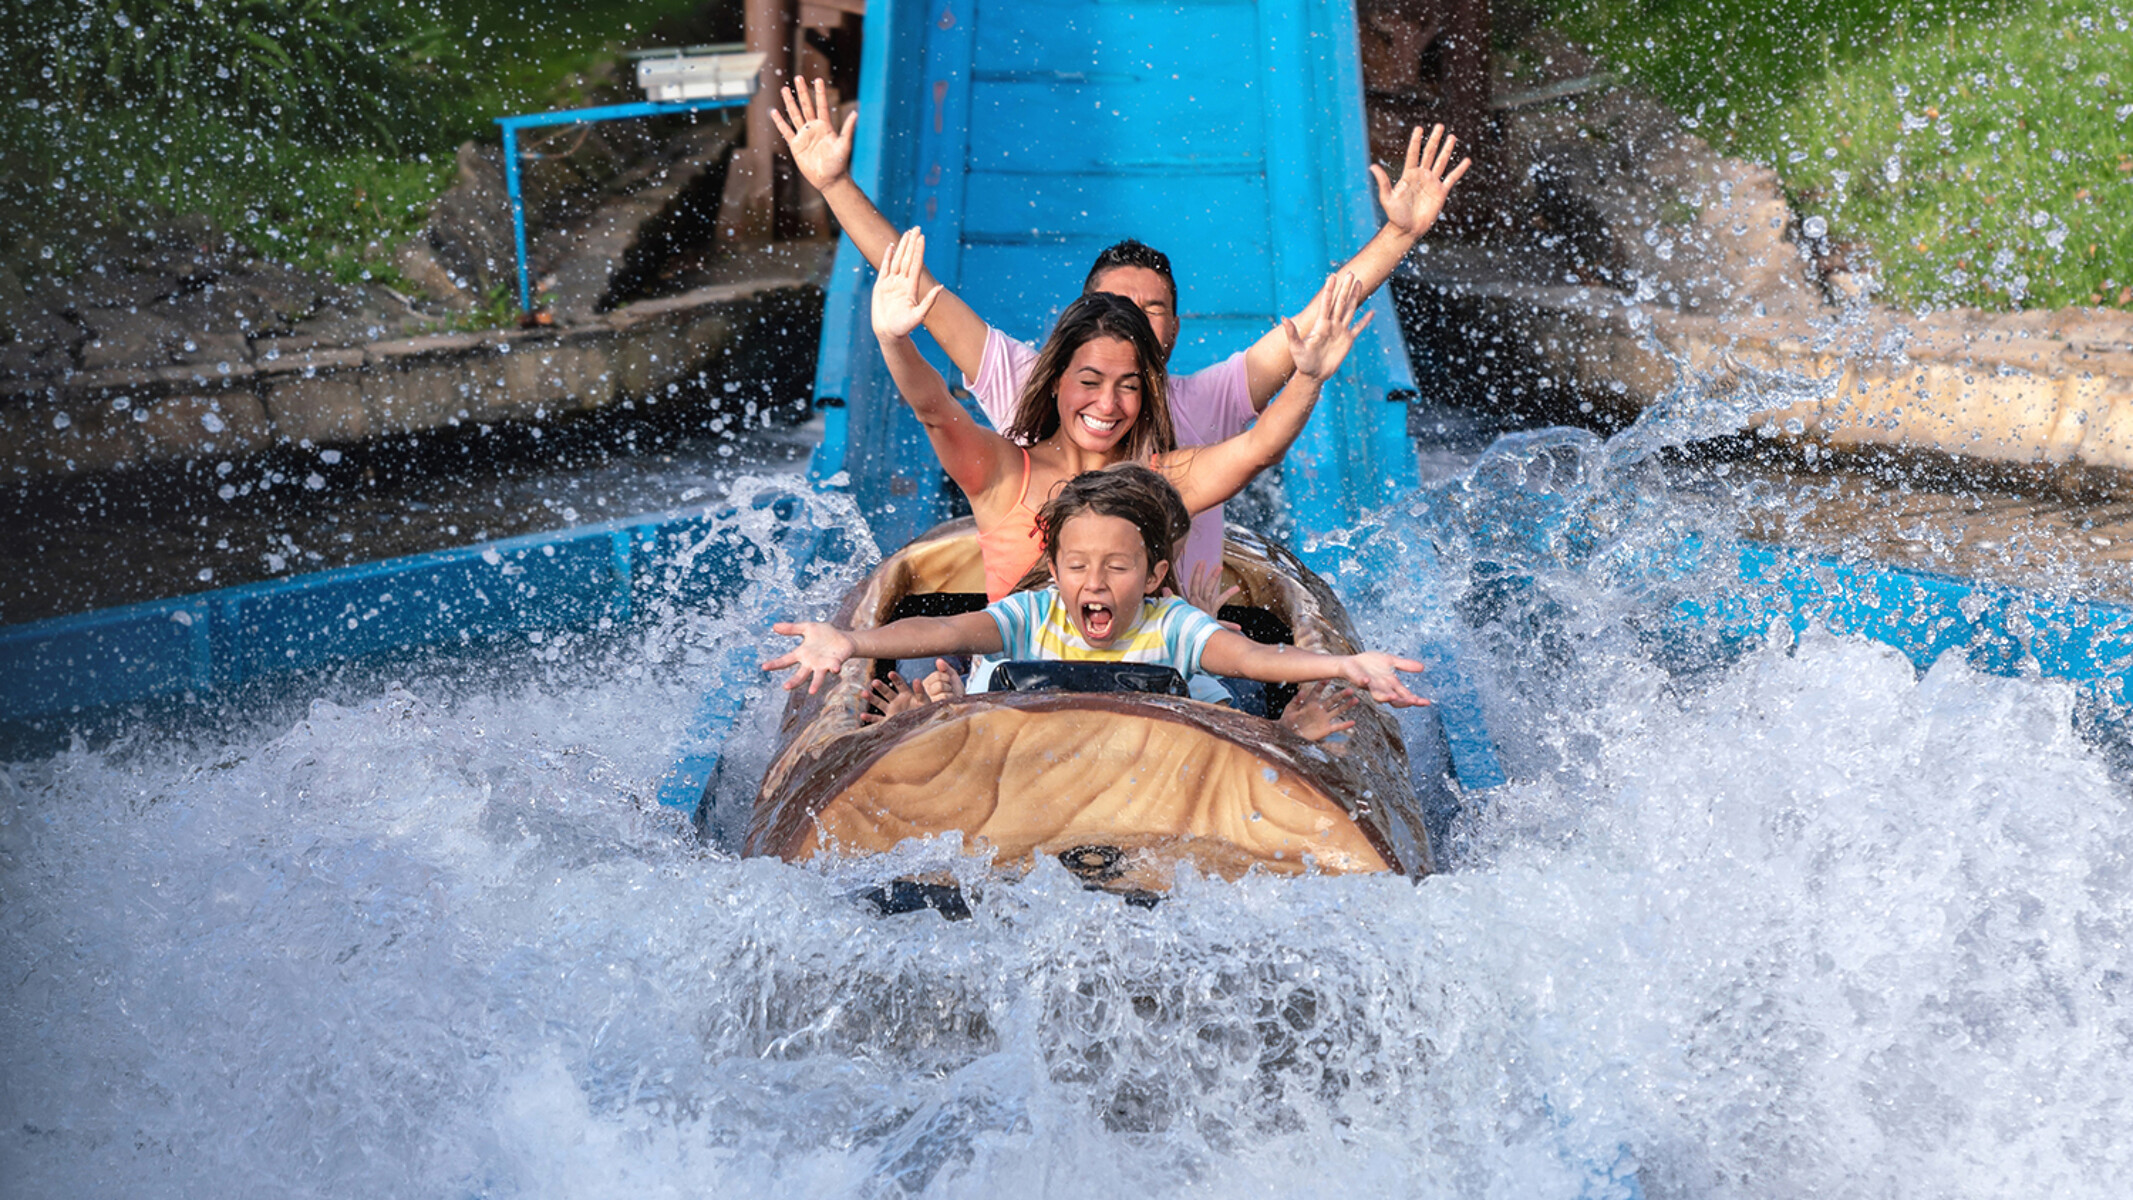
1411 207
823 154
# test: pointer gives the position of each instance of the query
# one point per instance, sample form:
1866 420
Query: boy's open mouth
1097 621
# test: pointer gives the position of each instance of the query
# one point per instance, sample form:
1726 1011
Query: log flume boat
1120 786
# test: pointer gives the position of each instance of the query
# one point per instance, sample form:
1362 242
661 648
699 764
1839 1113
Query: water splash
1788 920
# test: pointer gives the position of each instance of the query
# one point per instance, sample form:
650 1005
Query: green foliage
323 71
317 132
1979 151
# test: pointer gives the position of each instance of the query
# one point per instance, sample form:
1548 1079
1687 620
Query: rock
470 225
121 338
417 260
188 426
112 286
188 247
276 290
20 362
611 249
319 409
42 331
1652 210
353 316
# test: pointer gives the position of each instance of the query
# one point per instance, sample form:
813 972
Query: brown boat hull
1152 781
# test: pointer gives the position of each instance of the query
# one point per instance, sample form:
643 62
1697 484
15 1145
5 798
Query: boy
1107 536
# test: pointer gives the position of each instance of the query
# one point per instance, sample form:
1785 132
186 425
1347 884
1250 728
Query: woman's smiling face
1103 575
1100 394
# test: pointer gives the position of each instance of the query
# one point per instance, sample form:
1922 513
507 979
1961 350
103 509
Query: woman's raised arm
976 457
1208 475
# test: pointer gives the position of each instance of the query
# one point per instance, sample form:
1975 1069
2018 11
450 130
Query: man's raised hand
1411 205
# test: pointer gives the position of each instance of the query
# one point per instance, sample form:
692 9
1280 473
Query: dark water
166 531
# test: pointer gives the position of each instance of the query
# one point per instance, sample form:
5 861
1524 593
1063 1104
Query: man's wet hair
1131 253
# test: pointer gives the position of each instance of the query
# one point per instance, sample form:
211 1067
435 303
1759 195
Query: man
1206 406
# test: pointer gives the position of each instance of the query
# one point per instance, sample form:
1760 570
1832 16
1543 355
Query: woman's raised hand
821 151
1411 205
898 308
1320 345
822 651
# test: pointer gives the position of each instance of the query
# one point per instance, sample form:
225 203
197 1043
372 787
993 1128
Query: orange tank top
1012 547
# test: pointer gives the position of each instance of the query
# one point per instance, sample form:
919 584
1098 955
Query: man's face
1152 292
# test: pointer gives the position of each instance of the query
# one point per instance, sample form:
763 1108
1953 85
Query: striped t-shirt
1169 631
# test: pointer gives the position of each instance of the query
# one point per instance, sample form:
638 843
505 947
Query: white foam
1799 923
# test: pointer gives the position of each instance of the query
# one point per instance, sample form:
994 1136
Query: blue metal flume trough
1024 136
594 578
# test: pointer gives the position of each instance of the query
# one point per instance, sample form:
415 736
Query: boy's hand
898 308
1374 673
821 653
1321 343
821 152
1411 205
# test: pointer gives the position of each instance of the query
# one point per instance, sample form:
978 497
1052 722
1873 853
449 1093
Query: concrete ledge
2047 389
293 394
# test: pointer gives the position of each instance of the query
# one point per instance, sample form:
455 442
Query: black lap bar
1025 675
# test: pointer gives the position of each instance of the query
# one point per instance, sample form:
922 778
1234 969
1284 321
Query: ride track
1023 137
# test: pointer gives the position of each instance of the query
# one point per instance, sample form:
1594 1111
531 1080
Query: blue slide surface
1024 136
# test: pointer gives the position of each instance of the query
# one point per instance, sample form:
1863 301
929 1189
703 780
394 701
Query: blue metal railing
577 116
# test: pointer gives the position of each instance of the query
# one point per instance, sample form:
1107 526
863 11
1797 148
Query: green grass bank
1974 154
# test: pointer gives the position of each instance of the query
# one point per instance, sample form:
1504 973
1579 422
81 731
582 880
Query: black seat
1028 675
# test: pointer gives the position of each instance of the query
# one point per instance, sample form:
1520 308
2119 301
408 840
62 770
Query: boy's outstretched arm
1411 207
823 154
824 648
1240 657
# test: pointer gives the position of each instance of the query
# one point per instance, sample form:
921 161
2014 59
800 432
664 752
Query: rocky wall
1645 260
320 394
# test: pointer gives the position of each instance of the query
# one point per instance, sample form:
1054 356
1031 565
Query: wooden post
749 210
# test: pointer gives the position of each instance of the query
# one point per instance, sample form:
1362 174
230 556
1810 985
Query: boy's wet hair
1098 315
1132 253
1133 492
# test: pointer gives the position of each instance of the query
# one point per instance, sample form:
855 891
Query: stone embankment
179 346
324 394
1644 260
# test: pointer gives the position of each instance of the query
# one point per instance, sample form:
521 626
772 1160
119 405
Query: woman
1095 397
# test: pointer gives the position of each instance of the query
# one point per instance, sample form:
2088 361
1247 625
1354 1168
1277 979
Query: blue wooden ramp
1026 135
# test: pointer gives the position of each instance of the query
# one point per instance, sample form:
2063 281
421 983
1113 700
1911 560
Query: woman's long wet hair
1129 490
1097 315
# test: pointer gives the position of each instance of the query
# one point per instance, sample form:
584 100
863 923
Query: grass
1980 154
315 132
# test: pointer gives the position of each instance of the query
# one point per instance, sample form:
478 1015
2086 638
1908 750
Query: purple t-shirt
1210 405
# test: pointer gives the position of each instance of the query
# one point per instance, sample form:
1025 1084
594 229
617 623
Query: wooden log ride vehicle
1120 786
